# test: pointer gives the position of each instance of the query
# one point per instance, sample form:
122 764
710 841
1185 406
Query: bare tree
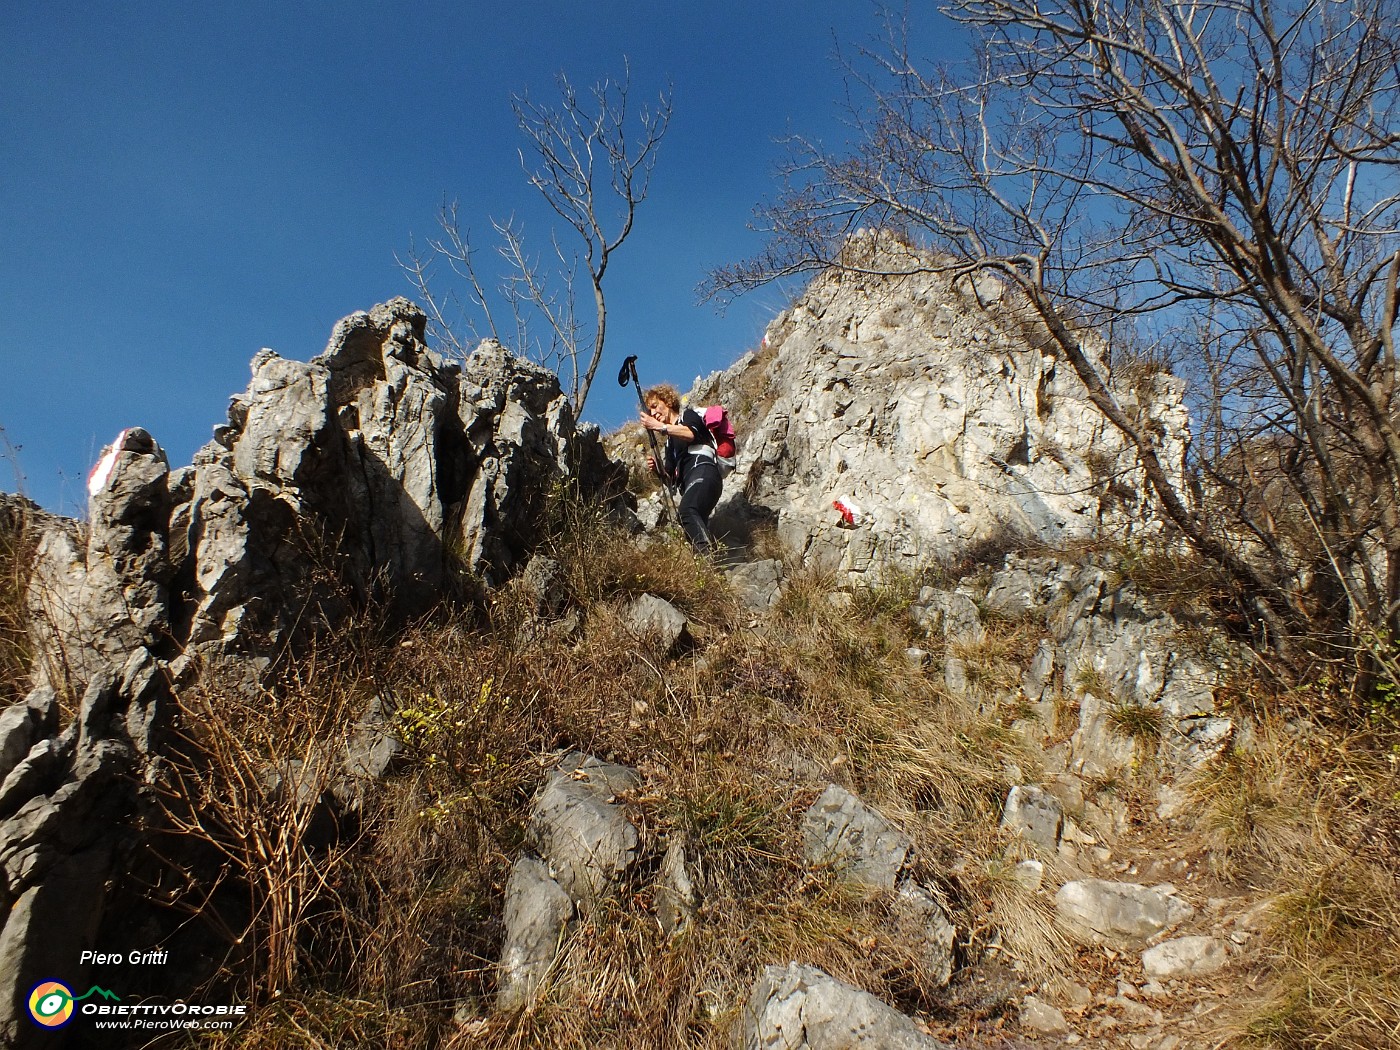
591 158
1221 175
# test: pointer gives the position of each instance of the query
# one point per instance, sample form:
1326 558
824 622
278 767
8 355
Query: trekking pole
629 371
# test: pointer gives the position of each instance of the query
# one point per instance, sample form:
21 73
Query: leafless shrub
590 157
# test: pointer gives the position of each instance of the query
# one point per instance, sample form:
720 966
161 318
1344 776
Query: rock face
374 471
1112 652
378 463
937 411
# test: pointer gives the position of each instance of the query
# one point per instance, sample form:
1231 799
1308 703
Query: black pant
700 490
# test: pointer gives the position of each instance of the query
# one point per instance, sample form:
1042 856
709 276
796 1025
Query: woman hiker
691 461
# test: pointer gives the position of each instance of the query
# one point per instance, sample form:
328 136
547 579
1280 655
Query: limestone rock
657 619
44 934
1035 814
798 1007
582 844
1040 1016
23 724
372 752
1185 957
921 398
537 910
544 587
757 583
914 906
951 615
677 899
1119 914
374 472
98 594
376 468
863 846
579 830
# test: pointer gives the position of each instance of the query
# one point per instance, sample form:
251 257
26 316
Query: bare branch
1219 167
590 157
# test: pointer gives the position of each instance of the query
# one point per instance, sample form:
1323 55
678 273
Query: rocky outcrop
374 472
1143 685
934 407
377 468
100 595
100 613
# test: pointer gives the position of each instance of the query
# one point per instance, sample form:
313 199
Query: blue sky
183 183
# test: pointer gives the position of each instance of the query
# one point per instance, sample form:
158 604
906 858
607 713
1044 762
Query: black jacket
680 461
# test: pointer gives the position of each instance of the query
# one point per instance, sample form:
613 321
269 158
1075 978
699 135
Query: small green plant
729 818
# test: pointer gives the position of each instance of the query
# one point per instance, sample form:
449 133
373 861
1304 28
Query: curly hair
666 394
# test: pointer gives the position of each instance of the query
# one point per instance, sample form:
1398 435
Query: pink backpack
726 444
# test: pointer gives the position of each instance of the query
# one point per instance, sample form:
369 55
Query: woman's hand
651 464
652 423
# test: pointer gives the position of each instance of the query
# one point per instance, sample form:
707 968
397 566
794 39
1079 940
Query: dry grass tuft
1309 819
1334 961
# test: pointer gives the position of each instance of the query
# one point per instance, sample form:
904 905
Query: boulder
797 1007
916 908
1035 814
1040 1016
658 621
577 827
1119 914
537 911
866 849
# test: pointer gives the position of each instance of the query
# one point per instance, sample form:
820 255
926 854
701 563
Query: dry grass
734 740
17 542
1309 819
1336 963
